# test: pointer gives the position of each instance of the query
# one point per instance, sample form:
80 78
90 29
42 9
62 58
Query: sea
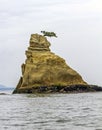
78 111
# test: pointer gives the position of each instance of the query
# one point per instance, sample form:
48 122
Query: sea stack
44 71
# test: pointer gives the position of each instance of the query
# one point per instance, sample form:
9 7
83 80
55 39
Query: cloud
76 8
76 22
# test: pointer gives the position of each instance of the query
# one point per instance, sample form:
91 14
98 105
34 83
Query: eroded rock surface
42 68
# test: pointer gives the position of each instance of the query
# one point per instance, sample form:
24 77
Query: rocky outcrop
43 70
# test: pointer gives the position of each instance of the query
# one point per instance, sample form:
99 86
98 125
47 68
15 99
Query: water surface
81 111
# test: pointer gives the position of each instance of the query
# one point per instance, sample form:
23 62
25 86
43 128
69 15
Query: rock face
43 69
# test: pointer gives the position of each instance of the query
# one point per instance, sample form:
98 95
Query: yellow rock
44 68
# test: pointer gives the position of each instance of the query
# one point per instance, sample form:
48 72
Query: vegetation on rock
49 34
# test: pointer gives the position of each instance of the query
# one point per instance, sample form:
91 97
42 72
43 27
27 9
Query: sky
77 23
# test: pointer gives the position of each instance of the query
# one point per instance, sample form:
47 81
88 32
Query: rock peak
39 43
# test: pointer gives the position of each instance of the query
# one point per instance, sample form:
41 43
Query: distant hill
2 87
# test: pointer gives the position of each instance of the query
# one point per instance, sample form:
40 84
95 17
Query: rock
45 71
96 88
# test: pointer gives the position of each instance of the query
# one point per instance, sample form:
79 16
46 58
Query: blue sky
78 24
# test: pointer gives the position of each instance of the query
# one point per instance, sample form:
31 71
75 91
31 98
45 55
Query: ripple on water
51 112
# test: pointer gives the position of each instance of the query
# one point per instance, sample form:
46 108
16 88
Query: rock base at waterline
60 89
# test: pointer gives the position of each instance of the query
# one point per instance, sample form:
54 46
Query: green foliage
49 34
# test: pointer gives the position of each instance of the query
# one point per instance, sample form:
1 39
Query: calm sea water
81 111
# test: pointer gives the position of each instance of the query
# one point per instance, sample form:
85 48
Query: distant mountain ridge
2 87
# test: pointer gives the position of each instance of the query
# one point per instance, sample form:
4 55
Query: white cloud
76 22
91 6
